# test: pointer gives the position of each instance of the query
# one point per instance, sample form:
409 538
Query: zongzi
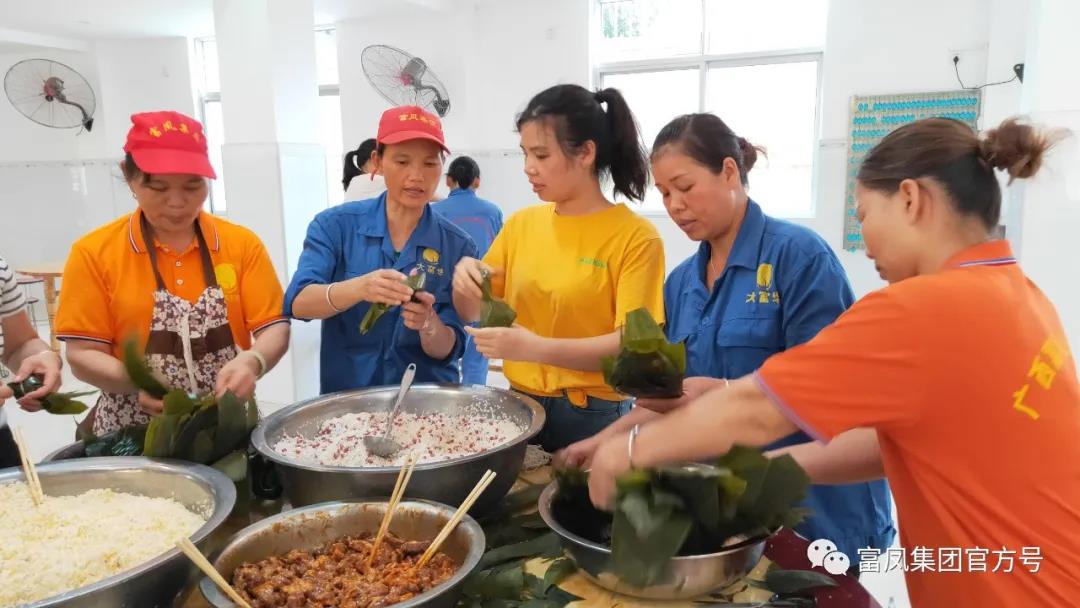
647 365
54 403
493 311
415 281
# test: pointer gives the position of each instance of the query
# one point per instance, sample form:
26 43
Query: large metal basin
447 482
686 577
314 525
157 582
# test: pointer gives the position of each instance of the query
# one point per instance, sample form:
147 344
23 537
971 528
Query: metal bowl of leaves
446 481
677 532
155 583
309 527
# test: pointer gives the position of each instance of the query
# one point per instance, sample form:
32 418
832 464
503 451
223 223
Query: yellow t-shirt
575 277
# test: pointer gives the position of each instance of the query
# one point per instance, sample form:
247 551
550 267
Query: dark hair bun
749 153
1016 148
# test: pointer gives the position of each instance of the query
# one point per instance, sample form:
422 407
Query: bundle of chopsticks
467 504
29 470
404 475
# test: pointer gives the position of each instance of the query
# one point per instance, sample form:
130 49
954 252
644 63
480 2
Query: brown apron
187 346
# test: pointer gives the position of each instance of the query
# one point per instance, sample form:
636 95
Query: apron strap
204 254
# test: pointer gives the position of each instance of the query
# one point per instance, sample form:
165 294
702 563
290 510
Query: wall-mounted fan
50 94
403 79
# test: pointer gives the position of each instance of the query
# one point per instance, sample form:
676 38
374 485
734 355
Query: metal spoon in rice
384 446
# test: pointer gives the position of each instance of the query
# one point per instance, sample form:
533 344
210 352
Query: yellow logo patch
764 276
226 277
431 256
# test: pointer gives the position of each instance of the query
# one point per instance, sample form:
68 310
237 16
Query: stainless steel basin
157 582
312 526
447 482
686 577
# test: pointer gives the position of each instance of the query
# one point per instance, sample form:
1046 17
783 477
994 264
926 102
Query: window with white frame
755 64
326 67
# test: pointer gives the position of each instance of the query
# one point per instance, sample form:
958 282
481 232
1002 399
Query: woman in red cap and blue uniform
359 254
199 293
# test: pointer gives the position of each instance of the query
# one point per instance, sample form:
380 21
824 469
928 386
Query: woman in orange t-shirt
955 382
199 293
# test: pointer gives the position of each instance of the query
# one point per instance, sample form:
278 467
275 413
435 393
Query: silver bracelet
630 444
330 302
260 358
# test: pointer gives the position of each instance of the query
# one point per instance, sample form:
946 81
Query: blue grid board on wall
873 117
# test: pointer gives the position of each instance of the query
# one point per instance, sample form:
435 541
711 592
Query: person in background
22 350
358 254
574 267
197 292
359 177
757 286
482 220
956 380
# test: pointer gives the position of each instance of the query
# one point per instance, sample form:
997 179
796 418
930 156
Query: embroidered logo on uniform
226 277
432 258
764 294
594 262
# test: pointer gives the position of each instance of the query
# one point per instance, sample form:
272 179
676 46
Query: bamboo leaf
493 311
546 545
234 466
178 403
557 572
232 429
66 403
140 373
159 436
646 364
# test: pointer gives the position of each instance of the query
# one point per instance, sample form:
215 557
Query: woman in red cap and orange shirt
198 292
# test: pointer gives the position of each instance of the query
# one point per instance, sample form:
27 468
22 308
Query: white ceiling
88 20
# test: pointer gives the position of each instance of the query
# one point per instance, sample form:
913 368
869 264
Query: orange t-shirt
967 377
108 285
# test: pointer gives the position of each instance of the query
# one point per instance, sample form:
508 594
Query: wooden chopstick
467 504
189 549
29 470
395 497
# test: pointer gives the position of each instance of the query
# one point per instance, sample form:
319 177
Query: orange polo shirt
968 379
108 286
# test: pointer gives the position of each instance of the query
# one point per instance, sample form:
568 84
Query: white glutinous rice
74 541
432 437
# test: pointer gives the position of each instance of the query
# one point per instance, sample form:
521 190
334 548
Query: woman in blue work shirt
757 286
358 254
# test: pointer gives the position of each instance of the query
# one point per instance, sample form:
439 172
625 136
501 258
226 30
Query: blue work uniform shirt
480 218
781 285
351 240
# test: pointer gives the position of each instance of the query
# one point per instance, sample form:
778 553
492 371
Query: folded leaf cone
647 365
493 311
415 281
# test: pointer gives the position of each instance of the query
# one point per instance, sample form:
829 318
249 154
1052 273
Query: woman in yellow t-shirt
574 267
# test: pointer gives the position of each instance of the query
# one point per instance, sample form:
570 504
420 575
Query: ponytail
577 115
627 164
355 161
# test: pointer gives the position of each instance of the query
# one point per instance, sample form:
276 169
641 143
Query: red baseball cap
168 142
410 122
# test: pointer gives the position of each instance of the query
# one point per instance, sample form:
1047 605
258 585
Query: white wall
1049 208
65 180
141 75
